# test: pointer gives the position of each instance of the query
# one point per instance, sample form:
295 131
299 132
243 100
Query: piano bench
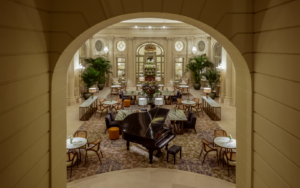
173 151
113 133
126 103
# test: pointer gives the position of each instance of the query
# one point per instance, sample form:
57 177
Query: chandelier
150 47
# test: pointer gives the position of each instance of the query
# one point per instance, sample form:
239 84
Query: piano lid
146 124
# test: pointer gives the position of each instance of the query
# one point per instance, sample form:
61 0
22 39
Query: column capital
110 38
189 38
130 38
208 38
169 38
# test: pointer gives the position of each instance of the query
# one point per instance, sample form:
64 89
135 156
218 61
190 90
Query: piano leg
128 143
151 156
167 146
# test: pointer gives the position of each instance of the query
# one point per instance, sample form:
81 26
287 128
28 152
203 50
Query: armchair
110 123
123 97
175 97
191 123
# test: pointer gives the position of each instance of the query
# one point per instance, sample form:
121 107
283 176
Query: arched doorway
244 93
150 52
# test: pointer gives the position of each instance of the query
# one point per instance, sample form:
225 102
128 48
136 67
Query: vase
212 95
197 86
71 140
86 95
100 86
150 98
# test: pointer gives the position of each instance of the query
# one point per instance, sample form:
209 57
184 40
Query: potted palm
196 66
213 78
89 77
102 66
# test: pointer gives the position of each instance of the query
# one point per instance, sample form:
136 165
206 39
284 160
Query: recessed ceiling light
149 27
135 26
164 27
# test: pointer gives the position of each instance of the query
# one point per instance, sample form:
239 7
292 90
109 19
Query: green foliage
90 77
101 65
196 66
213 78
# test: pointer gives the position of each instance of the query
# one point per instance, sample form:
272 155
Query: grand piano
147 129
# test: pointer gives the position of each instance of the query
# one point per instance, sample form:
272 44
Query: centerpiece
150 88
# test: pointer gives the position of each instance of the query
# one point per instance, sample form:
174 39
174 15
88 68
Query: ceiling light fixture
164 27
136 27
149 27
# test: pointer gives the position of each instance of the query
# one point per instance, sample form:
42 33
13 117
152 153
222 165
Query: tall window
121 68
178 68
217 54
150 52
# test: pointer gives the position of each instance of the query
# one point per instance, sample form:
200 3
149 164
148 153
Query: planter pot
212 95
86 95
197 86
100 86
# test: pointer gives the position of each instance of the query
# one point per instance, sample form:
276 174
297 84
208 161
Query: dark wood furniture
207 149
191 122
93 150
211 108
71 159
88 108
173 151
110 123
229 159
147 129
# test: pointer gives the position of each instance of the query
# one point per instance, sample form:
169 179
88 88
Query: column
223 76
110 41
76 77
189 54
71 84
228 97
169 63
209 48
130 64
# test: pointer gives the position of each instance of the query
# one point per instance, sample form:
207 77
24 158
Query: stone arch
235 49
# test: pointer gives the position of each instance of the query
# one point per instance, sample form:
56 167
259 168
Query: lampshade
158 79
207 90
92 90
142 79
158 101
142 101
105 49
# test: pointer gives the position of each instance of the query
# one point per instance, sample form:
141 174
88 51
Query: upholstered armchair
208 150
191 123
115 81
110 123
175 97
93 150
123 97
71 160
184 81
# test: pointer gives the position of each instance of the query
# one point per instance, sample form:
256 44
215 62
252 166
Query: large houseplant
213 78
89 77
101 65
196 66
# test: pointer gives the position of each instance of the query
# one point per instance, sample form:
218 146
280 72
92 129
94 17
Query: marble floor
150 177
228 123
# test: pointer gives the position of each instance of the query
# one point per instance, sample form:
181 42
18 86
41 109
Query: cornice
153 28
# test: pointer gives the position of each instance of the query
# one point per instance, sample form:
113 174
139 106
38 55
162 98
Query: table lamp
92 90
159 102
158 79
142 102
207 90
142 79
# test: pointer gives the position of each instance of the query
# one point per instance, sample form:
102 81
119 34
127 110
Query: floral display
149 65
150 88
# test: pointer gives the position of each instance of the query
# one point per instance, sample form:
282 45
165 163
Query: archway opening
235 55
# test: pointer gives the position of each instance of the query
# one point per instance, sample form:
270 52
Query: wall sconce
194 50
105 49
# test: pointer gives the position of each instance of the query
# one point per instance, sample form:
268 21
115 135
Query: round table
76 143
110 103
188 104
224 142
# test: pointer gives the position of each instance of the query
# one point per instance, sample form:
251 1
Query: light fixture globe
105 49
194 50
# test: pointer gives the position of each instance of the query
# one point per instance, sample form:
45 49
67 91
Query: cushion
92 153
174 149
69 163
211 153
231 163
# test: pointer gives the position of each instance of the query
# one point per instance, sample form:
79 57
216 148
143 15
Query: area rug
117 157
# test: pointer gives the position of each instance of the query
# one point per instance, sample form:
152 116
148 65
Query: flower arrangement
149 65
150 88
71 139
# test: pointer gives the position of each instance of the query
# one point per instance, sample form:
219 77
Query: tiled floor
149 178
152 177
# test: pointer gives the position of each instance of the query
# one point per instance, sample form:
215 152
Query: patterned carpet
116 157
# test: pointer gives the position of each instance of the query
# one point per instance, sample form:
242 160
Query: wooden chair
208 150
197 107
71 159
115 81
102 107
82 134
94 150
180 106
229 159
114 91
219 133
